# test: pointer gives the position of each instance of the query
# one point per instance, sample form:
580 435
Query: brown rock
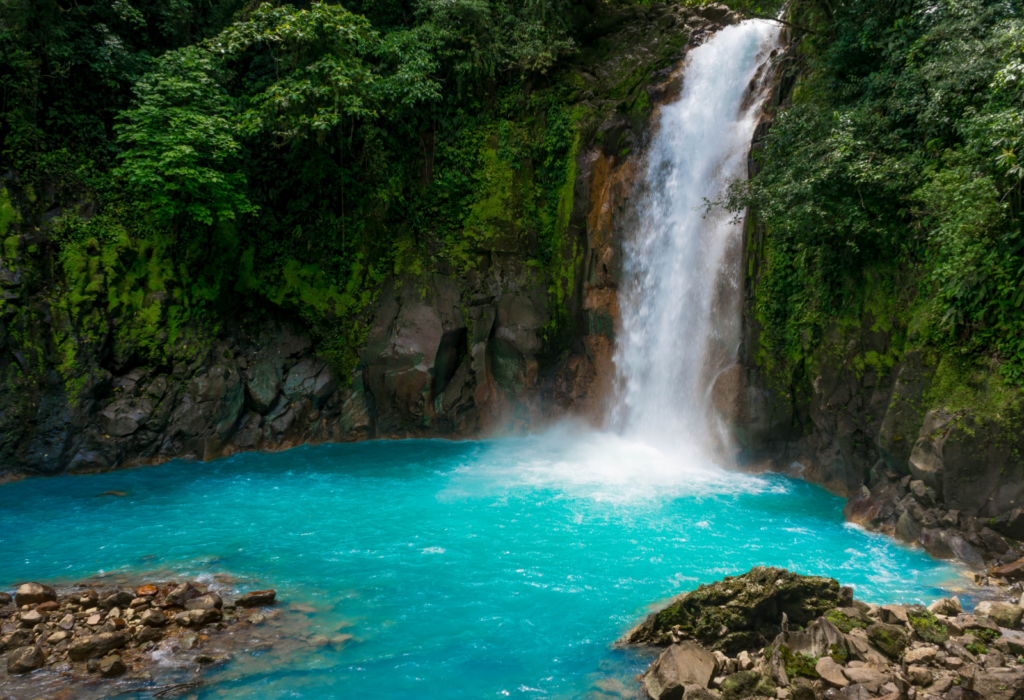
1003 614
210 601
679 666
255 599
148 634
919 676
181 594
112 666
48 607
96 645
25 660
153 618
832 672
33 594
197 618
148 590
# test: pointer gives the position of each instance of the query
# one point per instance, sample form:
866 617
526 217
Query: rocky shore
771 633
84 635
913 512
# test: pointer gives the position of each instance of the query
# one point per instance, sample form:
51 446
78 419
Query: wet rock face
740 613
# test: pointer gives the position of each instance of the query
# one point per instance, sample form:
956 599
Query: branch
781 21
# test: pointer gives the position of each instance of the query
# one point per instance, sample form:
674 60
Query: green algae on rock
741 612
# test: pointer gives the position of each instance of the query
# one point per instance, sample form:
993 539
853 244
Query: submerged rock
255 599
741 612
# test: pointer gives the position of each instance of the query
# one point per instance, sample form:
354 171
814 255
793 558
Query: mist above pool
463 569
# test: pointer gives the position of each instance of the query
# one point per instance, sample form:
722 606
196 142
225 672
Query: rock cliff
931 455
498 346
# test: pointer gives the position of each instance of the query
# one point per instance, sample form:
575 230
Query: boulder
181 594
907 529
112 666
17 638
950 607
921 655
118 599
148 634
680 665
868 677
310 377
919 676
5 599
255 599
889 639
747 684
831 672
263 386
153 618
749 606
33 594
25 660
1011 525
1003 614
31 618
999 684
197 618
210 601
95 646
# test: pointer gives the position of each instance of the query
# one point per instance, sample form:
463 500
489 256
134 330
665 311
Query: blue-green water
462 569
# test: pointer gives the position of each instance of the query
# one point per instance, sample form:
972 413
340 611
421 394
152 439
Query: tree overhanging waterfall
679 301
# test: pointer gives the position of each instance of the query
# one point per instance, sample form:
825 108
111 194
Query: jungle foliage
899 167
218 156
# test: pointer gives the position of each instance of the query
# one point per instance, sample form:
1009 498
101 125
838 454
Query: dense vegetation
893 185
224 157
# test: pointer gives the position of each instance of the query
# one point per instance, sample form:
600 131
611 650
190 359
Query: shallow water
463 569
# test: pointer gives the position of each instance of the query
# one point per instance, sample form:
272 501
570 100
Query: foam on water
463 569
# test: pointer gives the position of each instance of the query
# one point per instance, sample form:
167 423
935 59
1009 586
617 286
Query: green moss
927 626
8 215
977 648
799 665
843 621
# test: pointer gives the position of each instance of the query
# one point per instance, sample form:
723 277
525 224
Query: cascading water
679 305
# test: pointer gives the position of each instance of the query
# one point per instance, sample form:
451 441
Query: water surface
463 569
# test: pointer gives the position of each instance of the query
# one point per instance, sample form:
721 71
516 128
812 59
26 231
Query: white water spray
680 305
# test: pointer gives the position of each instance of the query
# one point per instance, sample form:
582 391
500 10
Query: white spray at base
680 295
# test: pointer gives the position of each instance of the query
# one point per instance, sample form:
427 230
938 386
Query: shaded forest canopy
892 188
218 158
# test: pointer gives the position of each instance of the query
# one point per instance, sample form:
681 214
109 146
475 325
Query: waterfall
680 295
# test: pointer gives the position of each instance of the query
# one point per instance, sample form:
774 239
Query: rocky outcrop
742 612
845 649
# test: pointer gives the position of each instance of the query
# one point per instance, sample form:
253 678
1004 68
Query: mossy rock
747 684
927 625
741 612
890 639
844 622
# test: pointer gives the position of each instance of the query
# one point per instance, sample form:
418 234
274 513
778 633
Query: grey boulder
96 645
25 660
681 665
